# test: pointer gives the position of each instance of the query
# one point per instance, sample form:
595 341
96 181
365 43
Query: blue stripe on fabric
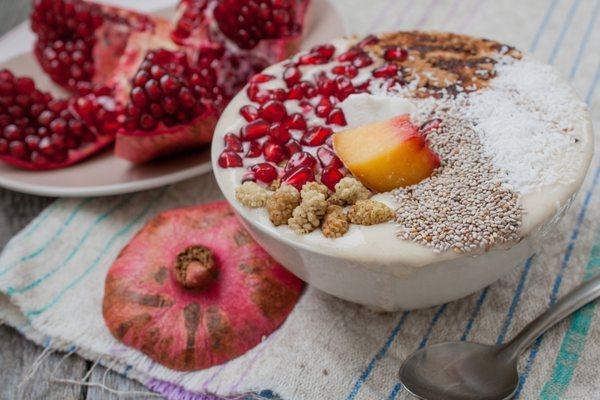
515 301
380 354
80 244
542 27
557 282
563 31
592 90
436 317
586 39
102 253
42 248
474 314
573 343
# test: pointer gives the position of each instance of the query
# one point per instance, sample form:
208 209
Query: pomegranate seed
279 133
12 132
169 85
309 89
344 87
326 50
24 85
331 176
59 126
337 117
292 147
3 146
274 152
273 111
362 60
254 150
147 122
249 112
306 106
347 70
316 136
395 54
324 108
312 59
255 130
369 40
295 93
261 78
350 55
328 158
298 177
264 172
17 149
296 121
385 71
301 159
230 159
233 143
430 125
153 91
291 76
325 86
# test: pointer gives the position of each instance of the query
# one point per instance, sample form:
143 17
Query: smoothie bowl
403 170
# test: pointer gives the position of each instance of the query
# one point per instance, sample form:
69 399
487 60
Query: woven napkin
52 274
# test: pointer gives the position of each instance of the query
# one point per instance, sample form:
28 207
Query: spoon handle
583 294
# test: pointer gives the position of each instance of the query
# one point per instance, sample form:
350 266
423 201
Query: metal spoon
462 370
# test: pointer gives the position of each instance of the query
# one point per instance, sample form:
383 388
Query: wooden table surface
16 353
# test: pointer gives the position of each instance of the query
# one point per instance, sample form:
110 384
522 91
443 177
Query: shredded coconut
528 120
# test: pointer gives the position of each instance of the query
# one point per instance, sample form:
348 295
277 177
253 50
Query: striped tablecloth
52 273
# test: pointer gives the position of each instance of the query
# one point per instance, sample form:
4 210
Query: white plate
105 174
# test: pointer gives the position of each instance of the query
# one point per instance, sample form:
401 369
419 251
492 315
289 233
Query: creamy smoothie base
514 143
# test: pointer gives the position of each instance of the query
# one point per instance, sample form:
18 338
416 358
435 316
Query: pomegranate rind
141 147
183 329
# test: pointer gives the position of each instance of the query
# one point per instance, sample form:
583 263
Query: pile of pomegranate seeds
297 145
167 90
40 132
247 22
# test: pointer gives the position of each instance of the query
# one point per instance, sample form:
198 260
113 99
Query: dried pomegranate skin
187 329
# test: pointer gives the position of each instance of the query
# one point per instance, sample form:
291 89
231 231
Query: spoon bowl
460 371
472 371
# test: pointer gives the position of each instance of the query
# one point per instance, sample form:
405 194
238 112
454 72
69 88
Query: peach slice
386 155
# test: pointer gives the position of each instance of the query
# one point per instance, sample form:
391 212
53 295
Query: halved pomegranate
173 106
39 132
79 43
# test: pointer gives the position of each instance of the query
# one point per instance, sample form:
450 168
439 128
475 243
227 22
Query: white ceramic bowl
366 268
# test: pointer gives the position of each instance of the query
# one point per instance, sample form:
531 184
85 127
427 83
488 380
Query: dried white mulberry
251 195
314 187
308 215
282 203
348 191
335 223
370 212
